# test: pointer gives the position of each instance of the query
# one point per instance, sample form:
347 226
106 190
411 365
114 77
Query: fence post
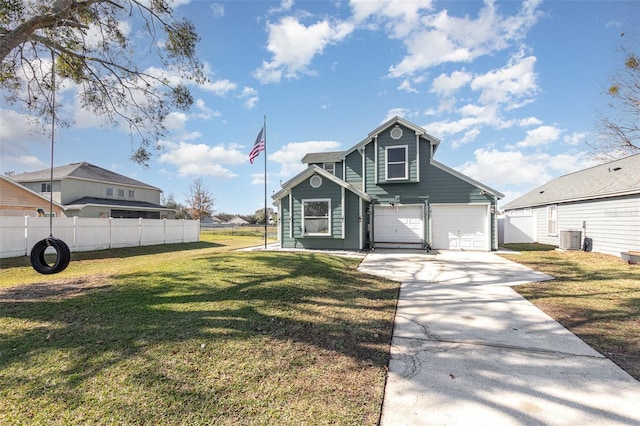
139 231
26 235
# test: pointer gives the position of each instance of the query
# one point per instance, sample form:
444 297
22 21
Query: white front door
460 227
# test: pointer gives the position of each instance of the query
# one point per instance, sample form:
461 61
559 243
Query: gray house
386 191
600 204
86 190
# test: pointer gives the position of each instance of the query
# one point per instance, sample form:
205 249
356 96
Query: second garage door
398 226
460 227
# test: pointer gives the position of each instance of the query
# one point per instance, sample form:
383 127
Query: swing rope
53 129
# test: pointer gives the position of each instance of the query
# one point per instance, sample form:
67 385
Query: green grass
596 296
204 335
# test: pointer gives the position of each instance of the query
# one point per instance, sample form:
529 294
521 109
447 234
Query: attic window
330 167
396 133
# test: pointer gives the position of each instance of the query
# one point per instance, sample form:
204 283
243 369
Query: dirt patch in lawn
55 289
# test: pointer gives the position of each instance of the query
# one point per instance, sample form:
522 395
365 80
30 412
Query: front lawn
595 296
203 335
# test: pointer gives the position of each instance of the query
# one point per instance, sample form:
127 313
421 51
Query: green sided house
386 191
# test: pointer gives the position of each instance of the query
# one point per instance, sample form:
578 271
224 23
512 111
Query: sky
512 89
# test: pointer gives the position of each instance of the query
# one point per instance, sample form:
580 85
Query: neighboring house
237 220
386 191
86 190
17 200
602 203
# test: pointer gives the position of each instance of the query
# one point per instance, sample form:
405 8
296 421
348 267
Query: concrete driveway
467 349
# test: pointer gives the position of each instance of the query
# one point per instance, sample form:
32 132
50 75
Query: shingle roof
120 203
81 171
620 177
323 157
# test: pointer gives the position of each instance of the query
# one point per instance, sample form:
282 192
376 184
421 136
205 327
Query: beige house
17 200
86 190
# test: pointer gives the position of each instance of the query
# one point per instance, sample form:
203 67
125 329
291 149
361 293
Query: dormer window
397 164
330 167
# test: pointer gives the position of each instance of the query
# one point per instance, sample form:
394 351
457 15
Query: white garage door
398 226
460 227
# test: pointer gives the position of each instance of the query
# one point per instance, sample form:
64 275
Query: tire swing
63 254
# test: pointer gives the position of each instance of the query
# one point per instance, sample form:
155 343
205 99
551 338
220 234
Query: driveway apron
468 350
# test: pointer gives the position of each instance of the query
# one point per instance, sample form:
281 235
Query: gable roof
620 177
93 201
28 191
392 122
336 156
84 171
307 173
323 157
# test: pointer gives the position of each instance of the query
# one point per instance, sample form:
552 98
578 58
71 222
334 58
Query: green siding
333 192
408 139
354 168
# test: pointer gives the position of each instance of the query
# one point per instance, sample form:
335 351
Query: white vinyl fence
18 235
520 229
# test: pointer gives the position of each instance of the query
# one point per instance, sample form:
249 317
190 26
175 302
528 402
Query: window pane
395 155
330 167
316 226
395 171
120 192
316 208
109 191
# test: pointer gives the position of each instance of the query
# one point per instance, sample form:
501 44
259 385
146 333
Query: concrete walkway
468 350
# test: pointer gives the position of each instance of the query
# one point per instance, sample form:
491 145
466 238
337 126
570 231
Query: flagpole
265 181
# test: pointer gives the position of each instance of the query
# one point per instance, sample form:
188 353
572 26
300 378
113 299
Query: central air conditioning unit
570 240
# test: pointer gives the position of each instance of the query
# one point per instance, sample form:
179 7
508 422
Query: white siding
540 214
613 224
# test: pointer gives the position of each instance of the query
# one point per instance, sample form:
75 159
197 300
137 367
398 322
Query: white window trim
316 234
45 185
552 219
333 168
406 162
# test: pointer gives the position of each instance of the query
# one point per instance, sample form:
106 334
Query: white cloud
508 84
205 113
446 85
217 10
201 159
220 87
395 112
407 87
441 38
400 17
18 139
250 96
514 168
284 6
575 138
529 121
294 45
542 135
290 155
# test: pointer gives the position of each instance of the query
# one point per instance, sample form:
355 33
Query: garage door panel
460 227
398 225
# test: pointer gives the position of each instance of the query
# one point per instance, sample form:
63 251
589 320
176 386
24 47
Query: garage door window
315 217
397 162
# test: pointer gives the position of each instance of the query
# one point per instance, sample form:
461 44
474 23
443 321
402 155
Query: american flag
257 146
